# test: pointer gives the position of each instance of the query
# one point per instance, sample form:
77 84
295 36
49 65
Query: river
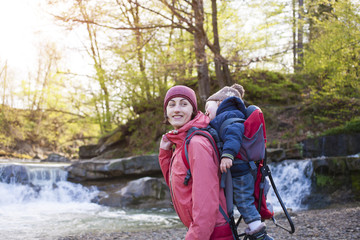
37 202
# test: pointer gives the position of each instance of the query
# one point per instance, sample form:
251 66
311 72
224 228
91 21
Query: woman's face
178 112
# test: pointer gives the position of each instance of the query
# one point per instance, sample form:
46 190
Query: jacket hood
178 136
230 104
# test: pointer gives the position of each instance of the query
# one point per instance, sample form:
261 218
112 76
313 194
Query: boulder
332 145
275 154
54 157
337 165
87 151
97 169
146 192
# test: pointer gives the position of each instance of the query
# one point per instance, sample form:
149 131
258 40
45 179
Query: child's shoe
258 234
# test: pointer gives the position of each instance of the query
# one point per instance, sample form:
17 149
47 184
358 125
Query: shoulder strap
228 215
230 121
184 154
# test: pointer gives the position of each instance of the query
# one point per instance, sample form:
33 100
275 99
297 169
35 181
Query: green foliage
53 131
332 68
270 87
324 180
351 126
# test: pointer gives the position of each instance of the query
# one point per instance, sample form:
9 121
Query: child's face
210 109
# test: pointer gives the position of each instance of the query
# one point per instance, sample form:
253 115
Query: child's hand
225 164
165 143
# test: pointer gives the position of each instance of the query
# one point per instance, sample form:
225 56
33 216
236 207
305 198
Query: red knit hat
181 91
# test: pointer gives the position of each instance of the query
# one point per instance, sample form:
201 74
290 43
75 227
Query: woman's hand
165 143
225 164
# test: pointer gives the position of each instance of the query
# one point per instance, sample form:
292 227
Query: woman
196 204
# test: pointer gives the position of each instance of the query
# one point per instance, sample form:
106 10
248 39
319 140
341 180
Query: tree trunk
140 57
294 29
105 124
219 73
4 70
221 66
300 47
200 42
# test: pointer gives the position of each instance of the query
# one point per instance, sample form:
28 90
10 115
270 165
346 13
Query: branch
260 59
111 27
65 112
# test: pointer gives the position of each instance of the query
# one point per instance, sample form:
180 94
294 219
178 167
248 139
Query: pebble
339 222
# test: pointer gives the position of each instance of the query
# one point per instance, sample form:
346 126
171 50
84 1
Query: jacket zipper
171 189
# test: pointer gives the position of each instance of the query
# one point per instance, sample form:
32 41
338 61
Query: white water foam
292 180
49 207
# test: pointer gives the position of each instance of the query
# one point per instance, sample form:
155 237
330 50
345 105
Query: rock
346 144
337 165
54 157
87 151
275 154
146 192
293 153
109 146
115 168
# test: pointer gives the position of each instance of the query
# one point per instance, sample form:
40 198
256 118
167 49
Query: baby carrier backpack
253 151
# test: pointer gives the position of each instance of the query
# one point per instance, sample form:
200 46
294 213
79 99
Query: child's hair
235 90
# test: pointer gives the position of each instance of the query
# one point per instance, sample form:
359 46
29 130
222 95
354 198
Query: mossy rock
355 184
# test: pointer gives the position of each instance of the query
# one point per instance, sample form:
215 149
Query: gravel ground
340 222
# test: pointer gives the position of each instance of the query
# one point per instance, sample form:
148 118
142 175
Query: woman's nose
177 108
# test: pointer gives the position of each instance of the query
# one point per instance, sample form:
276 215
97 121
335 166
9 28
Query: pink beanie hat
181 91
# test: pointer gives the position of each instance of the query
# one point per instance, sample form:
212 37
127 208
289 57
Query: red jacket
196 204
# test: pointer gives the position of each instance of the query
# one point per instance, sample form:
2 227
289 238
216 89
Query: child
224 104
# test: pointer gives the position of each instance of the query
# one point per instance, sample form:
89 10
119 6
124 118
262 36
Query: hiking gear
222 233
181 91
258 234
189 200
253 152
235 90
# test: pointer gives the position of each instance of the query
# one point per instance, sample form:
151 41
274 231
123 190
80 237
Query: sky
24 26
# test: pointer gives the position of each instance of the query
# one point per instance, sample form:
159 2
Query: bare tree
3 73
221 66
300 47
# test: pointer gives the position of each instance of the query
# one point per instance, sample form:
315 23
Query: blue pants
244 197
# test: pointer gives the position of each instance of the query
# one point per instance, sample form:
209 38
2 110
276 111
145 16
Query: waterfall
37 202
293 181
26 183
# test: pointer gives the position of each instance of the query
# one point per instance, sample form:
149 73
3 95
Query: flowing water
37 202
292 180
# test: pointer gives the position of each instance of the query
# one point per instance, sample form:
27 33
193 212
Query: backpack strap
185 156
230 121
226 179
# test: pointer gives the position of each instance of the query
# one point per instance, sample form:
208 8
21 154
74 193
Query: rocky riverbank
338 222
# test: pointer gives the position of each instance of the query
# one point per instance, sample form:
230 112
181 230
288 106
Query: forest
298 60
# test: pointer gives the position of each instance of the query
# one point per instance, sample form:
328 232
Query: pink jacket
198 203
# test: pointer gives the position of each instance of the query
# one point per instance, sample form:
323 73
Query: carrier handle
282 206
